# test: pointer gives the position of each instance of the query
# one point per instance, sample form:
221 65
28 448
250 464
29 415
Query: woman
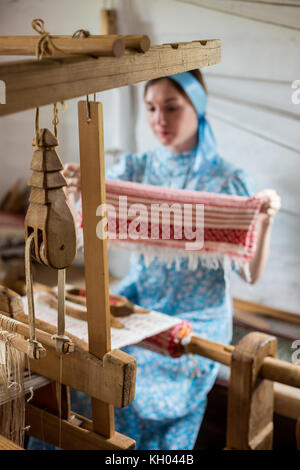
170 398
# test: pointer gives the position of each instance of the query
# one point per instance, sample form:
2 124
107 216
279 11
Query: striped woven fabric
169 342
177 223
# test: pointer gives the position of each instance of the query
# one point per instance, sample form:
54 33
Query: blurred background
250 106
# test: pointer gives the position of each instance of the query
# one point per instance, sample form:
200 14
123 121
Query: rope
34 345
45 45
60 337
81 33
55 120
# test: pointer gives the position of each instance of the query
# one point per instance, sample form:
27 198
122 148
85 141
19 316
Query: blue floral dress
170 398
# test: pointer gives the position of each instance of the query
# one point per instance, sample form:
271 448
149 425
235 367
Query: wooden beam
111 380
19 343
49 428
259 309
31 83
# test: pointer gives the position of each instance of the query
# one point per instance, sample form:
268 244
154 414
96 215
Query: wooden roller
49 216
97 45
272 368
64 45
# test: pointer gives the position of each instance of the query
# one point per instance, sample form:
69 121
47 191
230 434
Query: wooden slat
47 427
260 309
91 144
31 83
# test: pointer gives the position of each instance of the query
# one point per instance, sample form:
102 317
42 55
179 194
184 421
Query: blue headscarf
207 149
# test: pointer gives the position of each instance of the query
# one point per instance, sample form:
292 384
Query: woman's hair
197 74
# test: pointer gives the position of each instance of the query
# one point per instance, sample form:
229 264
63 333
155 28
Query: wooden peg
250 398
108 21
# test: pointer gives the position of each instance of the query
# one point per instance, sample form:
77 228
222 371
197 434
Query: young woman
170 398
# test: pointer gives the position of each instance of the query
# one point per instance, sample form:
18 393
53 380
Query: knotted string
45 45
81 33
55 121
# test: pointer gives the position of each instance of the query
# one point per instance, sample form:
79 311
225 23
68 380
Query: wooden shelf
33 83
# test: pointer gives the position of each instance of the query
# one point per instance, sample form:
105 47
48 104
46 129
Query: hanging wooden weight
49 215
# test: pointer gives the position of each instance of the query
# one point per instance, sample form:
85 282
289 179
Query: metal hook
88 106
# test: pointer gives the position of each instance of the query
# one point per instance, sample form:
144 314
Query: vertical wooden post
250 397
95 250
108 21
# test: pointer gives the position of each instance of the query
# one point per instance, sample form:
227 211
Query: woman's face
171 117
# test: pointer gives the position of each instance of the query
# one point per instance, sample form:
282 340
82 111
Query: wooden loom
109 376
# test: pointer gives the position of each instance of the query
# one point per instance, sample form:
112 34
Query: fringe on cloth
12 394
195 259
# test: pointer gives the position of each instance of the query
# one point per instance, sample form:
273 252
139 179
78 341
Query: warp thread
12 363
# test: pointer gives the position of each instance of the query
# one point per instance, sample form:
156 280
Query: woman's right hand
72 174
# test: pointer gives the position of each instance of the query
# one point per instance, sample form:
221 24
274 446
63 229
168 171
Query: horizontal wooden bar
286 401
23 329
80 369
19 343
252 307
111 380
272 368
49 428
36 83
64 45
281 371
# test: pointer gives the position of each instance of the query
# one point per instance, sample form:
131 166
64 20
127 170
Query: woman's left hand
272 202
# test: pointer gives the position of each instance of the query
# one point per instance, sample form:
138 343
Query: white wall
250 108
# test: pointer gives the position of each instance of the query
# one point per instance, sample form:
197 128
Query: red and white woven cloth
176 223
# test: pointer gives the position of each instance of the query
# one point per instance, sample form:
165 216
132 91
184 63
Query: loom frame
30 84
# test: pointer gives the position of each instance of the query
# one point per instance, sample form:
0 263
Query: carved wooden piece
49 215
251 398
19 343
